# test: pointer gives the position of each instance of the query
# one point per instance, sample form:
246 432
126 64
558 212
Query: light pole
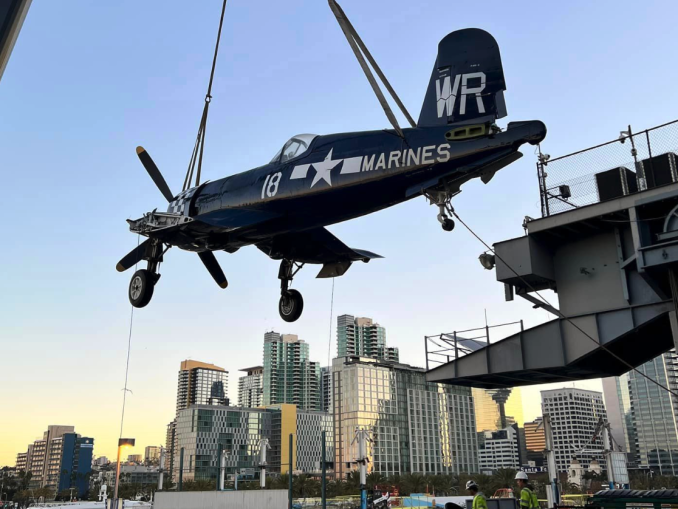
122 442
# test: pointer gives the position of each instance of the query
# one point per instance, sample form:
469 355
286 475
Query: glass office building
649 414
416 426
201 429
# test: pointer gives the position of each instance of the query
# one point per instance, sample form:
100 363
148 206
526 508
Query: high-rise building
574 414
61 460
251 387
201 429
488 405
22 461
499 449
152 454
135 458
417 426
364 338
647 414
170 447
326 389
535 441
201 384
289 376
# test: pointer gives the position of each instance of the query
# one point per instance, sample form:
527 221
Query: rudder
467 83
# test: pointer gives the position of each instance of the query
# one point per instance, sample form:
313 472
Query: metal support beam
540 304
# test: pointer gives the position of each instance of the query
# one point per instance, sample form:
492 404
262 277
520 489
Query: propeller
212 265
133 257
137 254
155 174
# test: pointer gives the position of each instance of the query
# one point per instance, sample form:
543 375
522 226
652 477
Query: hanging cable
199 146
329 342
357 46
558 312
129 349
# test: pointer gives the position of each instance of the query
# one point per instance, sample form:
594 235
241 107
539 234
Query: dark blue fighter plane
314 181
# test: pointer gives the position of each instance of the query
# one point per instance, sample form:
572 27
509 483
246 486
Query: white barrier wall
246 499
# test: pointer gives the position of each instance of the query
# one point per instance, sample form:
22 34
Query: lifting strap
357 45
200 139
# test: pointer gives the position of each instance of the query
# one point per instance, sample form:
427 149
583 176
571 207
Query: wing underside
317 246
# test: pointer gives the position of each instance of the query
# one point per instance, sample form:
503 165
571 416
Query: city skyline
75 109
232 394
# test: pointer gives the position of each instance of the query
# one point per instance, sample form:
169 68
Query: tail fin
467 84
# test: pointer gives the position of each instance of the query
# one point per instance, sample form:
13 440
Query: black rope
559 313
199 146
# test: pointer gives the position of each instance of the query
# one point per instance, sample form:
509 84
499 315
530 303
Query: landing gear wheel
291 305
448 224
141 288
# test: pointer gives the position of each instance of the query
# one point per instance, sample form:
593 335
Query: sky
89 81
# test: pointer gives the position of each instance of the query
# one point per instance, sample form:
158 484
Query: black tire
141 287
448 224
291 305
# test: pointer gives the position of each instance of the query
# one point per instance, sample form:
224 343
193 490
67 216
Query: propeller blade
133 257
154 172
212 265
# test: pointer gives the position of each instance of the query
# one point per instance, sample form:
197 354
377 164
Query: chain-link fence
631 163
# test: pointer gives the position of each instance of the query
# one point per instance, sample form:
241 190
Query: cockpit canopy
296 146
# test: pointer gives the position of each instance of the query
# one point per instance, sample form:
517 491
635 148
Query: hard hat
521 476
471 485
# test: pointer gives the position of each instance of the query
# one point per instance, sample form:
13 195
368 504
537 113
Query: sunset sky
89 81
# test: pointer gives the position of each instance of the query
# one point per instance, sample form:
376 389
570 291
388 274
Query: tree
504 478
375 478
412 483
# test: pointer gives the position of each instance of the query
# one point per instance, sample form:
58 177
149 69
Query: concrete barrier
247 499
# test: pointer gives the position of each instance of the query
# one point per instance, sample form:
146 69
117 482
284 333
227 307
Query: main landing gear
443 200
291 302
143 281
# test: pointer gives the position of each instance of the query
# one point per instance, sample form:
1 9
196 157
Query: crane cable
559 313
196 156
199 146
357 45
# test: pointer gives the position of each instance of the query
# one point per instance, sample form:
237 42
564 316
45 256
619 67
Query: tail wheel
141 288
291 305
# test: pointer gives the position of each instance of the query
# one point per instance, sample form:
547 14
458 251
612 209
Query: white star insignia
323 169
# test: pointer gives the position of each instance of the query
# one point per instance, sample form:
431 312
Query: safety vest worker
528 498
479 501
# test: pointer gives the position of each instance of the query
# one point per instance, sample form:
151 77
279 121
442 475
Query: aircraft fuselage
339 177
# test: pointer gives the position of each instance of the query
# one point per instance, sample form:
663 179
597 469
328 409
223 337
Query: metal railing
450 346
629 164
